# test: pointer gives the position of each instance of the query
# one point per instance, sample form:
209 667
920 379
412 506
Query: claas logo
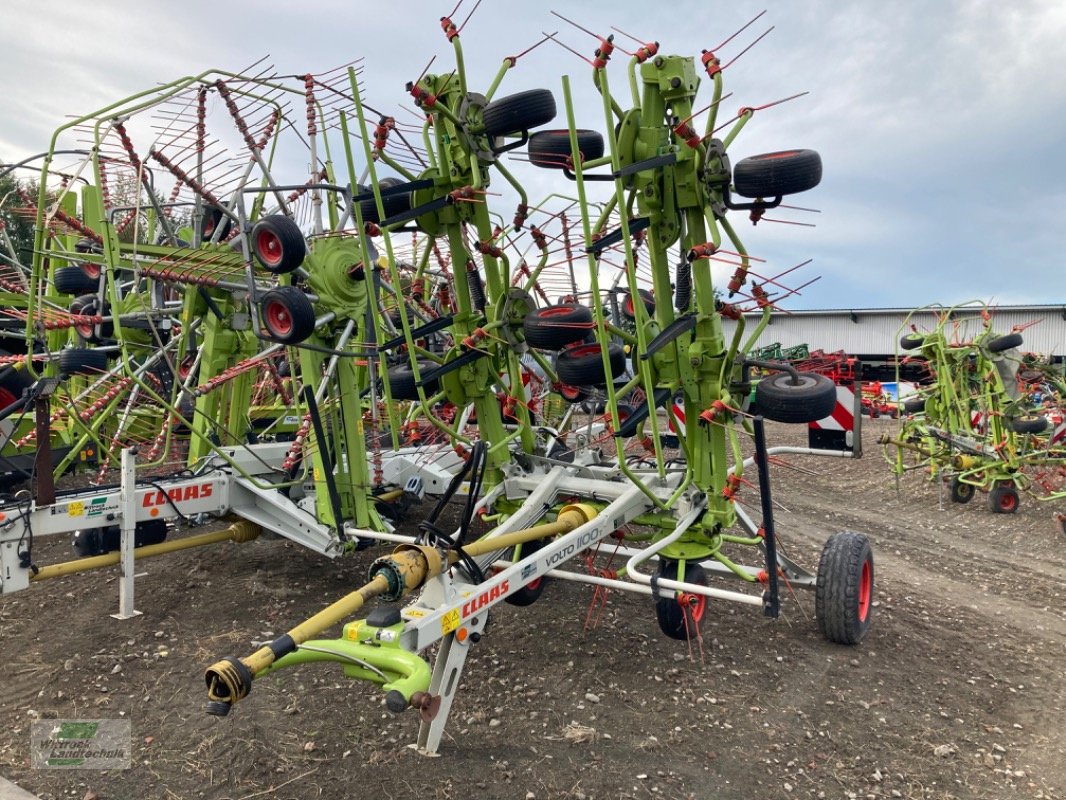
178 495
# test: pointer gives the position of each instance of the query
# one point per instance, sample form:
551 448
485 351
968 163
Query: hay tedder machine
989 419
211 338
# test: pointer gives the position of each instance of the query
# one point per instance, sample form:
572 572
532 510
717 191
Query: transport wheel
780 400
82 361
287 314
681 617
960 491
844 595
1029 423
278 244
1001 343
582 364
554 327
780 173
628 309
551 149
402 382
519 112
214 217
910 341
1003 499
73 280
531 592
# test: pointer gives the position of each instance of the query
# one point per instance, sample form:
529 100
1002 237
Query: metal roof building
875 332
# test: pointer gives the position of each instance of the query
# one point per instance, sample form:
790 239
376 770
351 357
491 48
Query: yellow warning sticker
413 613
450 621
76 508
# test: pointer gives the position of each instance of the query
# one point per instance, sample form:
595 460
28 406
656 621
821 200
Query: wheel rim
268 247
278 318
6 397
773 156
583 350
695 605
1008 501
569 392
556 311
92 270
866 581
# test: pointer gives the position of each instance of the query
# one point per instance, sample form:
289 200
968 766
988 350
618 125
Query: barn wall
877 331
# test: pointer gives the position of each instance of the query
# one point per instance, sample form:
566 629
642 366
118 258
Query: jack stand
447 668
44 487
128 527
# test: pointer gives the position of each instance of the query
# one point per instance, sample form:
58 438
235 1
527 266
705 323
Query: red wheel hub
1008 501
695 603
268 247
584 350
6 397
866 581
278 319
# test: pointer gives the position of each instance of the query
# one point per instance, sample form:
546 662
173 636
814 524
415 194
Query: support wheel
910 341
554 327
392 203
779 399
278 244
1003 499
1029 423
776 174
82 361
1001 343
288 314
960 491
844 596
402 384
582 364
519 112
531 592
681 616
74 280
551 149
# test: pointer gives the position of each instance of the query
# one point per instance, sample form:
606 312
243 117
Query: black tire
1006 342
844 595
392 204
82 361
573 394
13 384
73 280
914 405
813 398
775 174
582 364
960 491
212 218
531 592
278 244
911 341
551 149
554 327
628 308
1003 499
519 112
1029 423
288 315
676 620
402 384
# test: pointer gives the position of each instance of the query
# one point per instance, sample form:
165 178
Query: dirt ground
958 691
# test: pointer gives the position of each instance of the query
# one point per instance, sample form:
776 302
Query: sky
940 125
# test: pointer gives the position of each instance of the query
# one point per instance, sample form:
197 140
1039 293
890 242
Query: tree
16 218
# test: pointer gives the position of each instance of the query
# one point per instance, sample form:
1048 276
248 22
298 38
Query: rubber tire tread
553 328
519 112
780 401
776 174
587 369
551 149
836 597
